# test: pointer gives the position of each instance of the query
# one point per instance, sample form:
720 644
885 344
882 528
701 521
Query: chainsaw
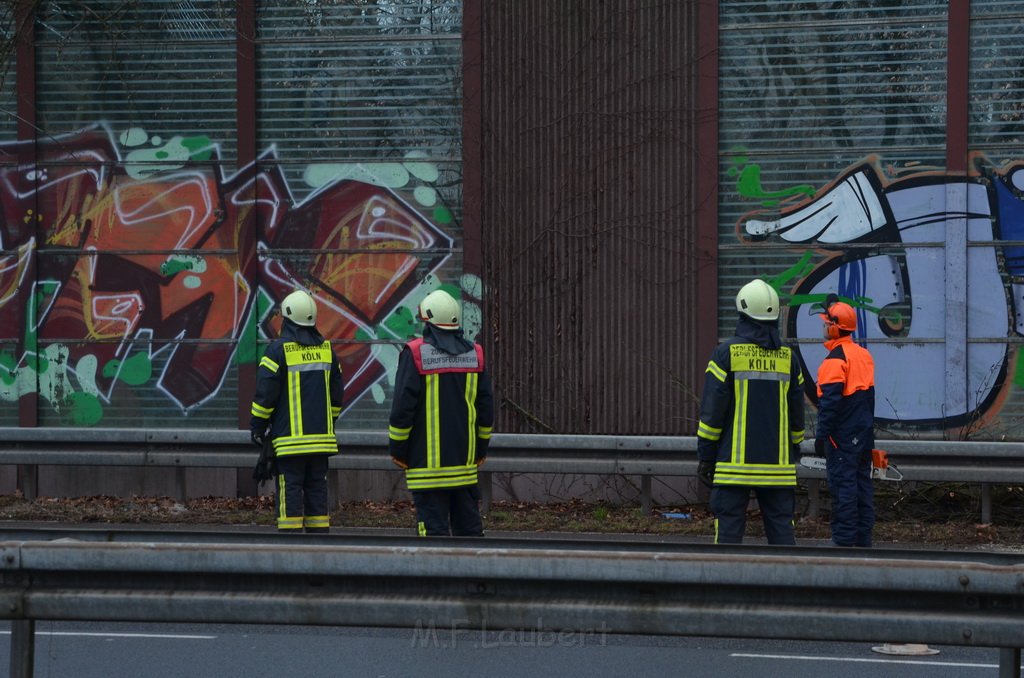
881 469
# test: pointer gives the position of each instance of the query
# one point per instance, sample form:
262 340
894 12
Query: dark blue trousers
729 504
849 483
454 511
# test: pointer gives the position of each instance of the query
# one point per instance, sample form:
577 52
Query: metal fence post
180 484
1009 662
28 481
646 502
486 490
986 503
813 498
23 635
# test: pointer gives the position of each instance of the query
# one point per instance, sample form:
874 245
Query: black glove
706 472
266 465
795 453
257 438
819 447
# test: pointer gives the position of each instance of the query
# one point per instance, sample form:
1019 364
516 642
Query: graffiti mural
155 270
883 233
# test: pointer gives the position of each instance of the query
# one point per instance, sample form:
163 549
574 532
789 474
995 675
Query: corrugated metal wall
8 130
588 214
835 176
996 135
190 176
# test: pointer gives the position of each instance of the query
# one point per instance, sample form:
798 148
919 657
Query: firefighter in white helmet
752 422
299 393
441 419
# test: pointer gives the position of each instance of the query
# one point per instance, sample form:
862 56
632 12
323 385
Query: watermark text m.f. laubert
461 633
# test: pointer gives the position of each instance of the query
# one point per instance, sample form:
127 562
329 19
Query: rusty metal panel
588 214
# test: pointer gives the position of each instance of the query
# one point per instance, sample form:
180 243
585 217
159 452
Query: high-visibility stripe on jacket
441 416
846 396
751 414
299 394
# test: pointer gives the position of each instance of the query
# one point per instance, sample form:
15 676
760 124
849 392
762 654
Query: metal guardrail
645 456
451 587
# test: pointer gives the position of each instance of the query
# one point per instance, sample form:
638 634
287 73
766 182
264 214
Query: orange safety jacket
846 396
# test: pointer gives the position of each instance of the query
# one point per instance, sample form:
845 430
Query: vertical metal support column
245 121
986 503
646 502
25 93
486 486
957 70
334 488
1009 662
813 498
28 481
180 483
706 167
23 648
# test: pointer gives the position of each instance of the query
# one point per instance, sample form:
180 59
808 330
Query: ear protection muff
832 327
840 319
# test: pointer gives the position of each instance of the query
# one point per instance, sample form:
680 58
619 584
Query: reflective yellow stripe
421 529
321 443
433 419
327 401
708 432
269 364
778 475
471 384
281 499
483 432
716 371
317 521
441 483
783 424
449 476
289 523
261 412
739 419
294 403
399 434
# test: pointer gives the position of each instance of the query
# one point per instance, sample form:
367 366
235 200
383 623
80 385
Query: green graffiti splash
8 373
402 323
199 147
442 215
177 263
176 152
797 270
804 266
249 351
1018 373
748 183
136 370
82 409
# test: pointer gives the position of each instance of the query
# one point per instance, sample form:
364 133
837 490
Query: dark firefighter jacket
751 410
846 396
299 392
442 412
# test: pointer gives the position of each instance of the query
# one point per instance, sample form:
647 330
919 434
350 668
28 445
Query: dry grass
937 515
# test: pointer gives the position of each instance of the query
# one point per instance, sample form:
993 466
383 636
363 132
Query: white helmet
300 308
759 300
441 310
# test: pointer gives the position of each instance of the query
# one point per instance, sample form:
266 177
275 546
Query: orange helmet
841 316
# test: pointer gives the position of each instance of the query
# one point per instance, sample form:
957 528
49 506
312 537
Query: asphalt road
110 650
